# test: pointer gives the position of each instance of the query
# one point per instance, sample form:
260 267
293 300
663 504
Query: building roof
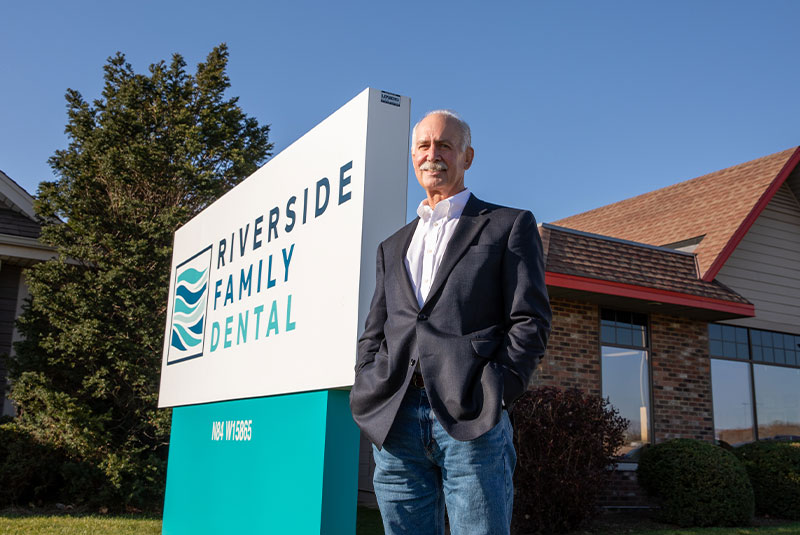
16 224
716 209
668 280
14 196
19 226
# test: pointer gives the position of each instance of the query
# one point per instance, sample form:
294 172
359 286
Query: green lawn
368 523
793 529
78 525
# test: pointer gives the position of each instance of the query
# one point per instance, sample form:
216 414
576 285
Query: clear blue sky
573 105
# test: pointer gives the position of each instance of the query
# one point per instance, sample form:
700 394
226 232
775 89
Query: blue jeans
421 469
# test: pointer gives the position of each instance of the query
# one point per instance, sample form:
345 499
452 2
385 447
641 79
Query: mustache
433 166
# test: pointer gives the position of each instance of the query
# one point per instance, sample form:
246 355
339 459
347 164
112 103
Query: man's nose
433 153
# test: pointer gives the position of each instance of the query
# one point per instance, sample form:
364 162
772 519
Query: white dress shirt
433 232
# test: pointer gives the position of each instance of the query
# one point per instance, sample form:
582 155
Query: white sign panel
271 284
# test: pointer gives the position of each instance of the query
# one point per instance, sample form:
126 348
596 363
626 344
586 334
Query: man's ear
469 154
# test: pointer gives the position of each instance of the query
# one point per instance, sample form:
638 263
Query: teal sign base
281 464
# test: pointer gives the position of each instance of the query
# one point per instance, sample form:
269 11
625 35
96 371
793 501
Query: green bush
32 471
698 484
29 470
565 441
774 470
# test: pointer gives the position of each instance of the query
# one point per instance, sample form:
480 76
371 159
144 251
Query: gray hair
463 127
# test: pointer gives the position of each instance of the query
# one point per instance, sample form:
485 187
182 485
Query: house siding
9 290
765 267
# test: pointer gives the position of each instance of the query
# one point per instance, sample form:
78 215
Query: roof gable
17 216
719 206
14 197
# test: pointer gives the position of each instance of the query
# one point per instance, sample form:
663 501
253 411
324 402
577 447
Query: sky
572 104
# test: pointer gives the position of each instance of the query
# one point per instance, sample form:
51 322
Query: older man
458 322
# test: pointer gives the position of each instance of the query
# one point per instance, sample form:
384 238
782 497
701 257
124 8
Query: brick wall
681 379
682 405
624 492
681 370
573 352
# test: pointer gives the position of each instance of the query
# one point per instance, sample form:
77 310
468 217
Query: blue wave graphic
189 308
191 276
176 341
197 328
182 308
186 337
190 297
189 319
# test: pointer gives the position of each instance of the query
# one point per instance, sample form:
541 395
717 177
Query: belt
417 381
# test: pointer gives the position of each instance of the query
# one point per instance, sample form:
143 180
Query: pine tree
142 160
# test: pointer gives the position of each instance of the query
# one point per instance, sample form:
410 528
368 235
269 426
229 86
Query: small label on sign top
390 98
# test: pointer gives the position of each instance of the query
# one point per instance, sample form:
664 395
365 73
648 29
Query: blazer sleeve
527 306
373 336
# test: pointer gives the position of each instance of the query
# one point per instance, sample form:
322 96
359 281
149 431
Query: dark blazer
478 336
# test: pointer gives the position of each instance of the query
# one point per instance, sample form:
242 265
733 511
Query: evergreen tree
143 159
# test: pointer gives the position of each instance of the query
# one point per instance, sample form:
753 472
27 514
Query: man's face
439 162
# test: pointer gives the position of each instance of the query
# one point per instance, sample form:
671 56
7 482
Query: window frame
647 348
750 363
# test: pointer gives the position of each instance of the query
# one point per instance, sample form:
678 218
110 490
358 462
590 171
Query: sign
271 284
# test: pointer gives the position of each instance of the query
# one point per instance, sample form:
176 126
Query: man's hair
463 127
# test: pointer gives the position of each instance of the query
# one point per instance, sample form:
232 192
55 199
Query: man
458 322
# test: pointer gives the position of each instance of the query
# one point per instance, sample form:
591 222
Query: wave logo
189 308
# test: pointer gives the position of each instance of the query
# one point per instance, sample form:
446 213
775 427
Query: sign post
270 287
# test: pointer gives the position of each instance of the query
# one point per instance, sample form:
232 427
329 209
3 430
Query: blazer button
412 363
422 317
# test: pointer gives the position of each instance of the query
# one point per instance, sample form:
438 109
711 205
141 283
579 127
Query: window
775 348
777 401
626 373
728 341
754 369
733 406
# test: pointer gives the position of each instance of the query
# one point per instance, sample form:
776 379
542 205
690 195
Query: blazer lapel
408 287
469 225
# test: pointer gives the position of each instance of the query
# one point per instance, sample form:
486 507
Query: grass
641 524
793 529
78 525
20 522
23 522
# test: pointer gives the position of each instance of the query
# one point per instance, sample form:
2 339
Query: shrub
565 441
774 470
698 484
29 470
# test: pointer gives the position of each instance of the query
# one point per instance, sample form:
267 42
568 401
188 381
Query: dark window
728 341
772 366
733 401
623 328
777 348
626 374
777 401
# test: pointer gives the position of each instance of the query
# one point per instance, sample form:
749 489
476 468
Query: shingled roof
716 209
590 263
17 224
17 216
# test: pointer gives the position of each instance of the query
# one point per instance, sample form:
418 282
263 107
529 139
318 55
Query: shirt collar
450 207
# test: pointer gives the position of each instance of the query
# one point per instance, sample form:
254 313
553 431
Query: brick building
682 306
